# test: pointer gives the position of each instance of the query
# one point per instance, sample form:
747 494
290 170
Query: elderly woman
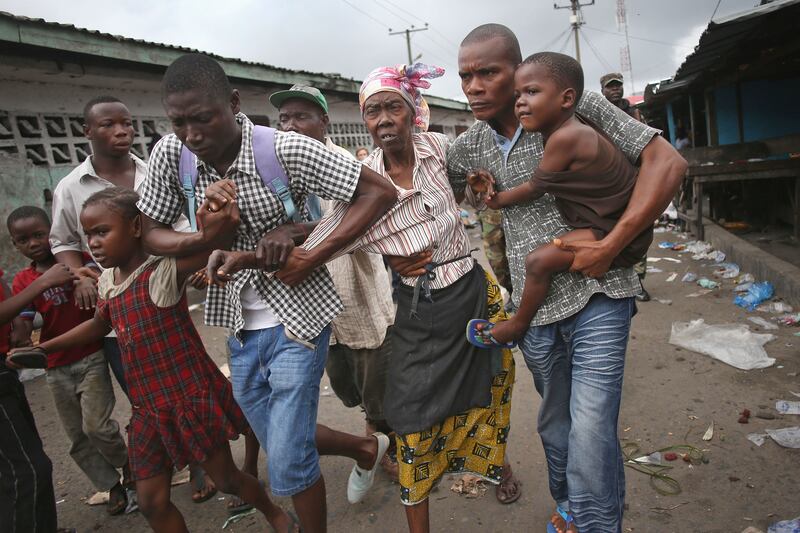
448 401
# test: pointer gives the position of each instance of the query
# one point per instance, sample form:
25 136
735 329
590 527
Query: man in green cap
360 348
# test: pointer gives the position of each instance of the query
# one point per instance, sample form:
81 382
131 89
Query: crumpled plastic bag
786 526
757 293
733 344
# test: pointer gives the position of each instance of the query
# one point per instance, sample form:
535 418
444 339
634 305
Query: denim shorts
276 383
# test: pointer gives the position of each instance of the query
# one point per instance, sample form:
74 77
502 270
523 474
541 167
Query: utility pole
407 32
576 21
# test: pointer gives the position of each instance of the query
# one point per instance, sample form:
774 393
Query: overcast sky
350 37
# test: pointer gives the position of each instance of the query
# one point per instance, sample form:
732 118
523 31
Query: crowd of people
291 234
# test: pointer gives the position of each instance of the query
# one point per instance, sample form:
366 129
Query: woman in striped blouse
449 404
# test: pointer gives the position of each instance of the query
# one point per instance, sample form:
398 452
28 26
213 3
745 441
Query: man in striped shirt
591 306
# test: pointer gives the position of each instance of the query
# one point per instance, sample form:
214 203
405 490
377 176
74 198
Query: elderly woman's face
389 120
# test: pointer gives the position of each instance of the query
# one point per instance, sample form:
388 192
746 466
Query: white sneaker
361 480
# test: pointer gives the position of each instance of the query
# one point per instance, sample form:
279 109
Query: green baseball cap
305 92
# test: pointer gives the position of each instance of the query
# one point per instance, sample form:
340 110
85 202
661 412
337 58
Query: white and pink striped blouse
425 217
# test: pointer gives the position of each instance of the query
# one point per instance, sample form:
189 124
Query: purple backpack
267 165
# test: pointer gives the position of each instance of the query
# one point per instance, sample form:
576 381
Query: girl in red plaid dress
182 409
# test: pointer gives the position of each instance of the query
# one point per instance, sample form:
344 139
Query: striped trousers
27 501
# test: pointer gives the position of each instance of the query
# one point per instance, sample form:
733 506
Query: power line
366 14
557 37
597 54
435 30
566 42
715 10
394 13
676 45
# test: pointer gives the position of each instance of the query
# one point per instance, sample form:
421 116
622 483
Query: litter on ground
733 344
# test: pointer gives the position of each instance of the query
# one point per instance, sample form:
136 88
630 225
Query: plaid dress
182 407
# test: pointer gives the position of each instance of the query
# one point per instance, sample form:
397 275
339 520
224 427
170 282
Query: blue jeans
577 365
276 383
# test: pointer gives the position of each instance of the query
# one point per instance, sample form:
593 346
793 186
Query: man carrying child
576 344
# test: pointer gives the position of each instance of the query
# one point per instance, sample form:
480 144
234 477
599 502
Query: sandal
508 481
117 500
482 338
197 479
568 519
33 357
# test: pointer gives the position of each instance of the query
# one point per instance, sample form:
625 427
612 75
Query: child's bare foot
561 525
507 331
281 521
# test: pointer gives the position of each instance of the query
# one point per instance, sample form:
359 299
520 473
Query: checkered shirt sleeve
315 169
162 197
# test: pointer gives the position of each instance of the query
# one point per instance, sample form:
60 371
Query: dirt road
670 397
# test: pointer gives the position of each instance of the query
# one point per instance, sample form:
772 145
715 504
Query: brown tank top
596 196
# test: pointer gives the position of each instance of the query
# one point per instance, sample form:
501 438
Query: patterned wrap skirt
473 441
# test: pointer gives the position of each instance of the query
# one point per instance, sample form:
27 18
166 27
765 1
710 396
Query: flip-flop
568 519
200 485
482 338
33 357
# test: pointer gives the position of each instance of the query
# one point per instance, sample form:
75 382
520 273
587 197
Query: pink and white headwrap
406 81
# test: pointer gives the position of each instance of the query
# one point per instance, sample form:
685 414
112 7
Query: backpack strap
271 171
267 165
187 171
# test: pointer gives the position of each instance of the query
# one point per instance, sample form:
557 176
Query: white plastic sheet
733 344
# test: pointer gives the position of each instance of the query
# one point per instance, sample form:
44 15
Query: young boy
78 378
589 177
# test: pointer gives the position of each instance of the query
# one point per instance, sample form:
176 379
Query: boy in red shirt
78 378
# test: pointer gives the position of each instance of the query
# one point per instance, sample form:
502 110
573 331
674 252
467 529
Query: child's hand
57 275
495 200
85 293
223 264
218 225
481 181
220 193
198 280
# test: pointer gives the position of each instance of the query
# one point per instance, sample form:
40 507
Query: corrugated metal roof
721 44
59 36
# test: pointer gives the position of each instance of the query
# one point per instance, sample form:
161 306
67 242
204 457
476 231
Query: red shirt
57 307
5 329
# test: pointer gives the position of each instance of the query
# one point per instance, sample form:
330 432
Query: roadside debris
786 526
757 320
755 295
689 277
733 344
707 283
709 434
470 486
727 270
744 416
786 437
786 407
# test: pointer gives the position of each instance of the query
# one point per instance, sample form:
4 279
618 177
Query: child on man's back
590 178
78 377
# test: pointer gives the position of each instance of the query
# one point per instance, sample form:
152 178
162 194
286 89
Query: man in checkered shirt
280 324
576 345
